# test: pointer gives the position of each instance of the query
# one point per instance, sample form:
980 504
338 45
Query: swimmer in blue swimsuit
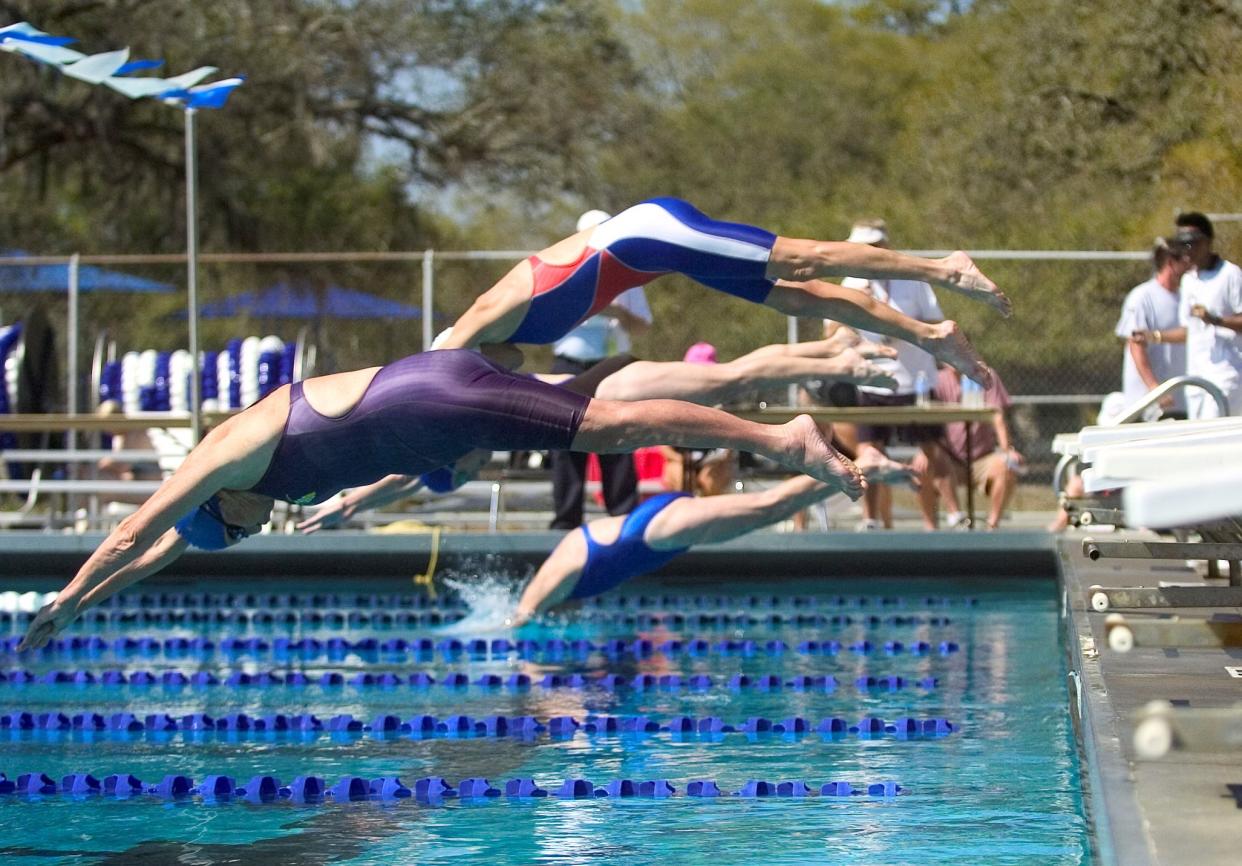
607 552
547 295
844 358
305 442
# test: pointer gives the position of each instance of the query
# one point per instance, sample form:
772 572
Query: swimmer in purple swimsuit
607 552
843 358
305 442
547 295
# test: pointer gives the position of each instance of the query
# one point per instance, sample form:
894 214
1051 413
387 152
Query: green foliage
404 124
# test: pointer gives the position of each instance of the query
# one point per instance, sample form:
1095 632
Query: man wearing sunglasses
1210 315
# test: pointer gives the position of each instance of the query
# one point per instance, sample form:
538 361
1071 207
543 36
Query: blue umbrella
55 278
285 301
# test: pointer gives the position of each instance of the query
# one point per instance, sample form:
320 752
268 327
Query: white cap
441 338
592 218
867 235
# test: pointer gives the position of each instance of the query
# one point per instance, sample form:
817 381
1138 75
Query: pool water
1002 788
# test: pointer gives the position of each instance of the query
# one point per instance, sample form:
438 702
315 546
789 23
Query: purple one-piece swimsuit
417 414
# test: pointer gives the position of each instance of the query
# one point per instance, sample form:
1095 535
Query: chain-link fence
1058 354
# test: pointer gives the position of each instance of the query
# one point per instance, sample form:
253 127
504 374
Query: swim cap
206 529
441 338
700 353
592 218
442 480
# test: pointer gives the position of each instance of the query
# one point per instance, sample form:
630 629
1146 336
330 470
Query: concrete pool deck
1178 809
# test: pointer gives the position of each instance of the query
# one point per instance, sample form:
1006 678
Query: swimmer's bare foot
808 451
857 370
963 275
949 344
878 468
875 350
844 338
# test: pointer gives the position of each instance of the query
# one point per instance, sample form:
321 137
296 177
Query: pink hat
700 353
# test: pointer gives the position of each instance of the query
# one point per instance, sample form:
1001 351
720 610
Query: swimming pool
987 769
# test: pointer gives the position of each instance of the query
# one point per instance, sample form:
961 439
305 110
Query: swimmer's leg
709 384
609 426
686 522
801 260
555 580
944 340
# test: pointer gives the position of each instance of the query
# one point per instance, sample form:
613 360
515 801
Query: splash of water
491 600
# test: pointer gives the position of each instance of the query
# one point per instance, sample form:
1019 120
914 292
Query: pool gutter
41 561
1120 836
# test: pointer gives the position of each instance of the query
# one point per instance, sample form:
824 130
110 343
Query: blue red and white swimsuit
660 236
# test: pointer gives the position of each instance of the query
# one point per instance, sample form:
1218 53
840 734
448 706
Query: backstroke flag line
112 69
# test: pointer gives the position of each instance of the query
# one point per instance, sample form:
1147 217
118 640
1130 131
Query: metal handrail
1155 395
1158 393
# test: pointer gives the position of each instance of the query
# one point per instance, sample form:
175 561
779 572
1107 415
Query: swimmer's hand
51 619
327 517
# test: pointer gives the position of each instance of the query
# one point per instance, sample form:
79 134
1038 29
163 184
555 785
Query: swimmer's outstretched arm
944 340
555 579
54 617
387 490
234 456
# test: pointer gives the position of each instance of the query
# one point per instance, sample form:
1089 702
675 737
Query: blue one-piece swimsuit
609 565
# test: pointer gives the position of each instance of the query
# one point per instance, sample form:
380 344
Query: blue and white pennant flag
112 69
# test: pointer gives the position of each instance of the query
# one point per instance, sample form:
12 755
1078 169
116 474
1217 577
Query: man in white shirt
914 369
1210 316
601 336
1150 310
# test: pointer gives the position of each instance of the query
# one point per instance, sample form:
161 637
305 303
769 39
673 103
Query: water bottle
972 396
922 390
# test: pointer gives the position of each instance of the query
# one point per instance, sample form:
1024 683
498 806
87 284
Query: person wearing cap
845 358
1151 307
607 552
1209 316
603 335
915 373
545 296
303 443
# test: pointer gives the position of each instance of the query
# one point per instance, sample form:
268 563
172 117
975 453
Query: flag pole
191 274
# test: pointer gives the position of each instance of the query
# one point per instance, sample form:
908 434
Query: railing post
429 297
791 337
71 393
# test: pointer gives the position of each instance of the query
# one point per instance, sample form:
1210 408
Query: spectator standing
992 465
1209 316
913 368
599 337
1151 308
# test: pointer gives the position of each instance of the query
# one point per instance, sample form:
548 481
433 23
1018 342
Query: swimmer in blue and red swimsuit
605 553
307 441
543 298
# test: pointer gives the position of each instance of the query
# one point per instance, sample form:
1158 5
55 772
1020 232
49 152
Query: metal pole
429 295
191 273
71 393
791 334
